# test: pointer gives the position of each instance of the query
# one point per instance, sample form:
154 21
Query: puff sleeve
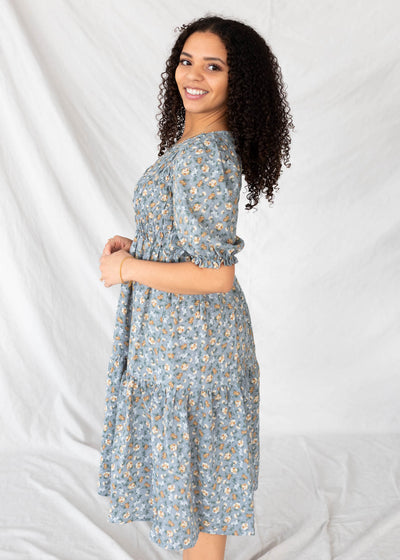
206 192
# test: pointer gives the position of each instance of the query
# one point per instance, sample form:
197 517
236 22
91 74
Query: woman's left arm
179 278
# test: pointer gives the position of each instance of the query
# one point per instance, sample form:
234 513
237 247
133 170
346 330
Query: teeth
195 91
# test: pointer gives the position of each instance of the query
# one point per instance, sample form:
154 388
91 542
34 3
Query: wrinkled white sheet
320 270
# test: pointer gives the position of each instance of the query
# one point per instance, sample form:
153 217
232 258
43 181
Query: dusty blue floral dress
180 445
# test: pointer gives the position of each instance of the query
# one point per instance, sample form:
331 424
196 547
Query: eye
215 66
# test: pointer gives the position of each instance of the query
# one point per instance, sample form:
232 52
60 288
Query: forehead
205 43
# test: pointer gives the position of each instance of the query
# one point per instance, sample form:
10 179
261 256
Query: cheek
222 87
178 75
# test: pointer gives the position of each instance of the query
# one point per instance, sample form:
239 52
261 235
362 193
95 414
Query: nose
194 73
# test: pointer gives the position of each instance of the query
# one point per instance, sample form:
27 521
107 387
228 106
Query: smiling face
202 74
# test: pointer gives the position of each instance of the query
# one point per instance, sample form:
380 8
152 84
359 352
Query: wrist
125 270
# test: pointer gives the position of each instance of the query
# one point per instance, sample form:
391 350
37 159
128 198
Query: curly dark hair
258 114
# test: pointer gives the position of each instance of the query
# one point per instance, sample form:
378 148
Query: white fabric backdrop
320 271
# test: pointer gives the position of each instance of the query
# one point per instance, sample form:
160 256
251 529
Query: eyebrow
205 57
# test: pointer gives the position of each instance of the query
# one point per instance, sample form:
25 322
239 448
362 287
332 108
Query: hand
117 243
110 267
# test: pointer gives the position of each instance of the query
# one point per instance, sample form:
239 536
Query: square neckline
200 134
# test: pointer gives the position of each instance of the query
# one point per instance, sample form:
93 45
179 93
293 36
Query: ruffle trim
203 261
169 461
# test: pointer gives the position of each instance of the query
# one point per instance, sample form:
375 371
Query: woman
180 445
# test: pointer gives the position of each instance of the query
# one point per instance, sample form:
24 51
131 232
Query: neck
196 123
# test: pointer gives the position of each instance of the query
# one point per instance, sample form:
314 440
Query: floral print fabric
180 444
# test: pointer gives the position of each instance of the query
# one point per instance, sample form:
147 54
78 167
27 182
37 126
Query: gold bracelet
120 269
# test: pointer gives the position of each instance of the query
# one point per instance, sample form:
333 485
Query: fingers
117 243
128 245
114 244
109 246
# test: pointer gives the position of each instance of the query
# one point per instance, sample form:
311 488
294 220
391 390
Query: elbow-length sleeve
206 192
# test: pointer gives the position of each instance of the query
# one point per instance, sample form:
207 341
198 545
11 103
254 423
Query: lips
194 93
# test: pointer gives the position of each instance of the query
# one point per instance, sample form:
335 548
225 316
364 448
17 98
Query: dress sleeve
206 192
